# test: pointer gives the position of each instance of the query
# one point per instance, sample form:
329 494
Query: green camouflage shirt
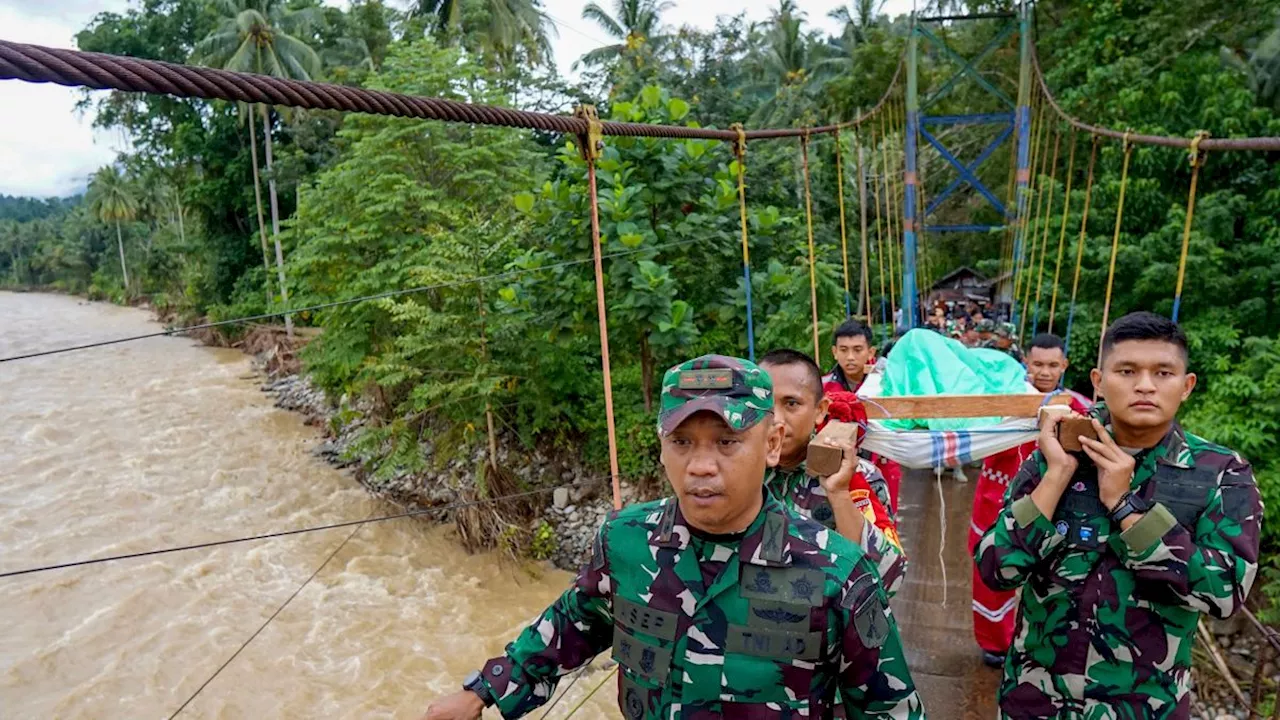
789 613
1107 618
804 494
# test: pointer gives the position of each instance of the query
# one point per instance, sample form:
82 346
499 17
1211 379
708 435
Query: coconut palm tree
858 21
635 23
264 37
508 26
112 199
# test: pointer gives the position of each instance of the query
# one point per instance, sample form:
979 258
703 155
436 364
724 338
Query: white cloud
47 148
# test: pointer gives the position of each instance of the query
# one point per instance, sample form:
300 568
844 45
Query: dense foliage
368 205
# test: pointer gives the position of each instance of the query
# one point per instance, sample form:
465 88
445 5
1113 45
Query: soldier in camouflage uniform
1118 552
855 500
719 602
1004 340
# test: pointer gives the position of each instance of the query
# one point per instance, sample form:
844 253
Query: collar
1172 448
766 541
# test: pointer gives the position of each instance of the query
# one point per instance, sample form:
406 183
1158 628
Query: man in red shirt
994 611
853 352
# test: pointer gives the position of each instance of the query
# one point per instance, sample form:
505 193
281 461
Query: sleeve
1021 537
577 627
1212 570
874 680
880 542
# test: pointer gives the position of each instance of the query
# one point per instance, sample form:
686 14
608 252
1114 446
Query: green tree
504 31
636 24
113 200
267 38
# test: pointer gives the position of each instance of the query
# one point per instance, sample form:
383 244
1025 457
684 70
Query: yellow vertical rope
844 240
808 214
1031 227
1196 162
1048 218
1062 233
864 277
875 191
1019 262
891 238
1115 244
1084 226
1006 243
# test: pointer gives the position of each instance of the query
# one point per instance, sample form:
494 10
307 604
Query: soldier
718 602
1121 550
852 348
855 500
994 610
1004 340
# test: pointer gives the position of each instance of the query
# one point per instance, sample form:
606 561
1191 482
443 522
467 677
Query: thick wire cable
280 534
267 622
340 303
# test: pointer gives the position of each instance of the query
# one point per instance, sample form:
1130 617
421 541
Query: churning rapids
162 442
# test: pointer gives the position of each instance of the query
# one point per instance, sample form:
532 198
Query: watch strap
1128 505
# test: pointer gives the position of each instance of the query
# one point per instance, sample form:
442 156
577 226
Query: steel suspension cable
864 292
808 216
1062 232
267 622
1115 247
282 533
1084 228
1197 159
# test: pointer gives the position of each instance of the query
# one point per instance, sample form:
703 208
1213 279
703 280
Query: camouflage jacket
804 494
1107 618
766 625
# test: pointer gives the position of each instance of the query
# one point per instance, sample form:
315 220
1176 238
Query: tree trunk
646 372
257 196
124 269
182 230
275 220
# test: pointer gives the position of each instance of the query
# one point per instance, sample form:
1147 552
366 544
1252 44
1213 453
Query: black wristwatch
476 684
1128 505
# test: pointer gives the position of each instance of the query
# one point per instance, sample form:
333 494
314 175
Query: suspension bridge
890 140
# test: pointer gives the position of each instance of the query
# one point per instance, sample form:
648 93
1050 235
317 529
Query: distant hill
23 209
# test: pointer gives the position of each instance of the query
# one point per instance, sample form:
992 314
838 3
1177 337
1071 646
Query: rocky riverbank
573 506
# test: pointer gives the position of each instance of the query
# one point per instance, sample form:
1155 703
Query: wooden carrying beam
959 406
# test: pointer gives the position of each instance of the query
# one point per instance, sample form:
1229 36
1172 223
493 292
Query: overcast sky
48 149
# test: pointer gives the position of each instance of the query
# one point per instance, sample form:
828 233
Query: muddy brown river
162 442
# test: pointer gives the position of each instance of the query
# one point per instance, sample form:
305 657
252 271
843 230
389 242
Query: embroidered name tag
705 379
791 585
640 657
638 618
773 643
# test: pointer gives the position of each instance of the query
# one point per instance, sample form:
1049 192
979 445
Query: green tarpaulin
924 362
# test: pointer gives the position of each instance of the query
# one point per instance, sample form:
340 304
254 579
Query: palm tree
507 27
112 199
786 67
635 23
857 22
264 37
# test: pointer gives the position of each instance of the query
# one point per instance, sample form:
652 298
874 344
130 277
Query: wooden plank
959 406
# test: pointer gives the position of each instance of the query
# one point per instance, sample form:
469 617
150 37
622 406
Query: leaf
733 168
678 109
524 201
631 240
508 294
651 96
679 309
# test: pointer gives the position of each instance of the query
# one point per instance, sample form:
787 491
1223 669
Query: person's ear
773 451
1095 376
1191 385
823 406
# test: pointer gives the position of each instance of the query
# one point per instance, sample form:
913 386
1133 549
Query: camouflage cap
735 389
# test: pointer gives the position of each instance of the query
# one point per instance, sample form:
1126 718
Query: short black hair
1144 325
851 328
787 356
1048 341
